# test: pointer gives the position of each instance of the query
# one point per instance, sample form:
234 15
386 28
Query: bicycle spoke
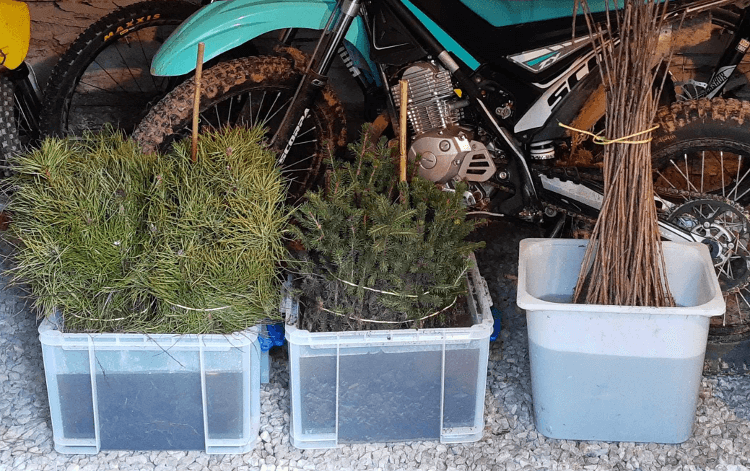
722 271
105 90
23 118
124 62
737 179
309 130
269 118
229 112
143 52
256 121
687 170
661 175
304 142
723 185
288 169
110 76
687 180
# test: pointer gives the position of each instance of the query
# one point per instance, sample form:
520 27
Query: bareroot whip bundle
624 263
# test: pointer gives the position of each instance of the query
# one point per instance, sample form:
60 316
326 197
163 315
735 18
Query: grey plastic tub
615 373
390 385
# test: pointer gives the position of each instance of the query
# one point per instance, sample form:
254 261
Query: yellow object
603 141
15 32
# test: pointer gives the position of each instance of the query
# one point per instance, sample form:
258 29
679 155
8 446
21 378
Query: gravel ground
721 438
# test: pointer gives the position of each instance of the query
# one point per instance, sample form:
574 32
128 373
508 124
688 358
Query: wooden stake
197 101
402 127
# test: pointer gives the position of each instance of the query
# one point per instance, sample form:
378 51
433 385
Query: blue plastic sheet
274 337
496 314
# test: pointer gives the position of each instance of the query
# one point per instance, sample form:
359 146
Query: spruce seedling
377 260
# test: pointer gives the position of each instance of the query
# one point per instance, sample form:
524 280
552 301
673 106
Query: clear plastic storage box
152 392
615 373
390 385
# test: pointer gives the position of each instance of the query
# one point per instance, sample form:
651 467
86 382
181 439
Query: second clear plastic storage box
152 392
390 385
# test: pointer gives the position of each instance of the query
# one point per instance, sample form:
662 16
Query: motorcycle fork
315 77
732 56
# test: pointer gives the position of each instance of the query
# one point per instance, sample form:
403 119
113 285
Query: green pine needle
119 241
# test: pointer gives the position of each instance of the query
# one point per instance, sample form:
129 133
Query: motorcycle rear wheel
701 153
251 91
692 68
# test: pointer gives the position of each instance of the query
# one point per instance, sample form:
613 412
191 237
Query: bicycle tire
9 141
124 24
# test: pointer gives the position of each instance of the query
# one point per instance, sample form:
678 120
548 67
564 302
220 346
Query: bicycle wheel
251 91
104 76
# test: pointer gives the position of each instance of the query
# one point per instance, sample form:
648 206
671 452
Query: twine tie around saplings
144 311
603 141
197 309
110 320
373 321
390 293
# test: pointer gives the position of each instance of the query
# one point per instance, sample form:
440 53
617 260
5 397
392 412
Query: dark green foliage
119 241
370 230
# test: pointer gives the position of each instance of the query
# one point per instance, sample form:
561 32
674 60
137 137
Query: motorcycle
489 82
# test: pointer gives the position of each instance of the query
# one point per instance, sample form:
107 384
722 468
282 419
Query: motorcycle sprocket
724 226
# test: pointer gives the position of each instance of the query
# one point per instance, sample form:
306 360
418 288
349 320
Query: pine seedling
217 235
77 212
119 241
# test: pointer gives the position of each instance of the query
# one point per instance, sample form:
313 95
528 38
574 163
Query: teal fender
224 25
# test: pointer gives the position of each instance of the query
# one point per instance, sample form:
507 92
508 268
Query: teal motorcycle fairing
224 25
501 13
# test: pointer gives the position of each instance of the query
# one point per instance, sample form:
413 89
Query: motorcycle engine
446 150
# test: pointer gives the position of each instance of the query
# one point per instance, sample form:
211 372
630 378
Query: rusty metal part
379 126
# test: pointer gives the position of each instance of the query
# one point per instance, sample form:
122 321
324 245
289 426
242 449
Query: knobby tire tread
174 112
714 122
81 52
9 141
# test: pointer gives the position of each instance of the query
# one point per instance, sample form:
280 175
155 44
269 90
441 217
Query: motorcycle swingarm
576 193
